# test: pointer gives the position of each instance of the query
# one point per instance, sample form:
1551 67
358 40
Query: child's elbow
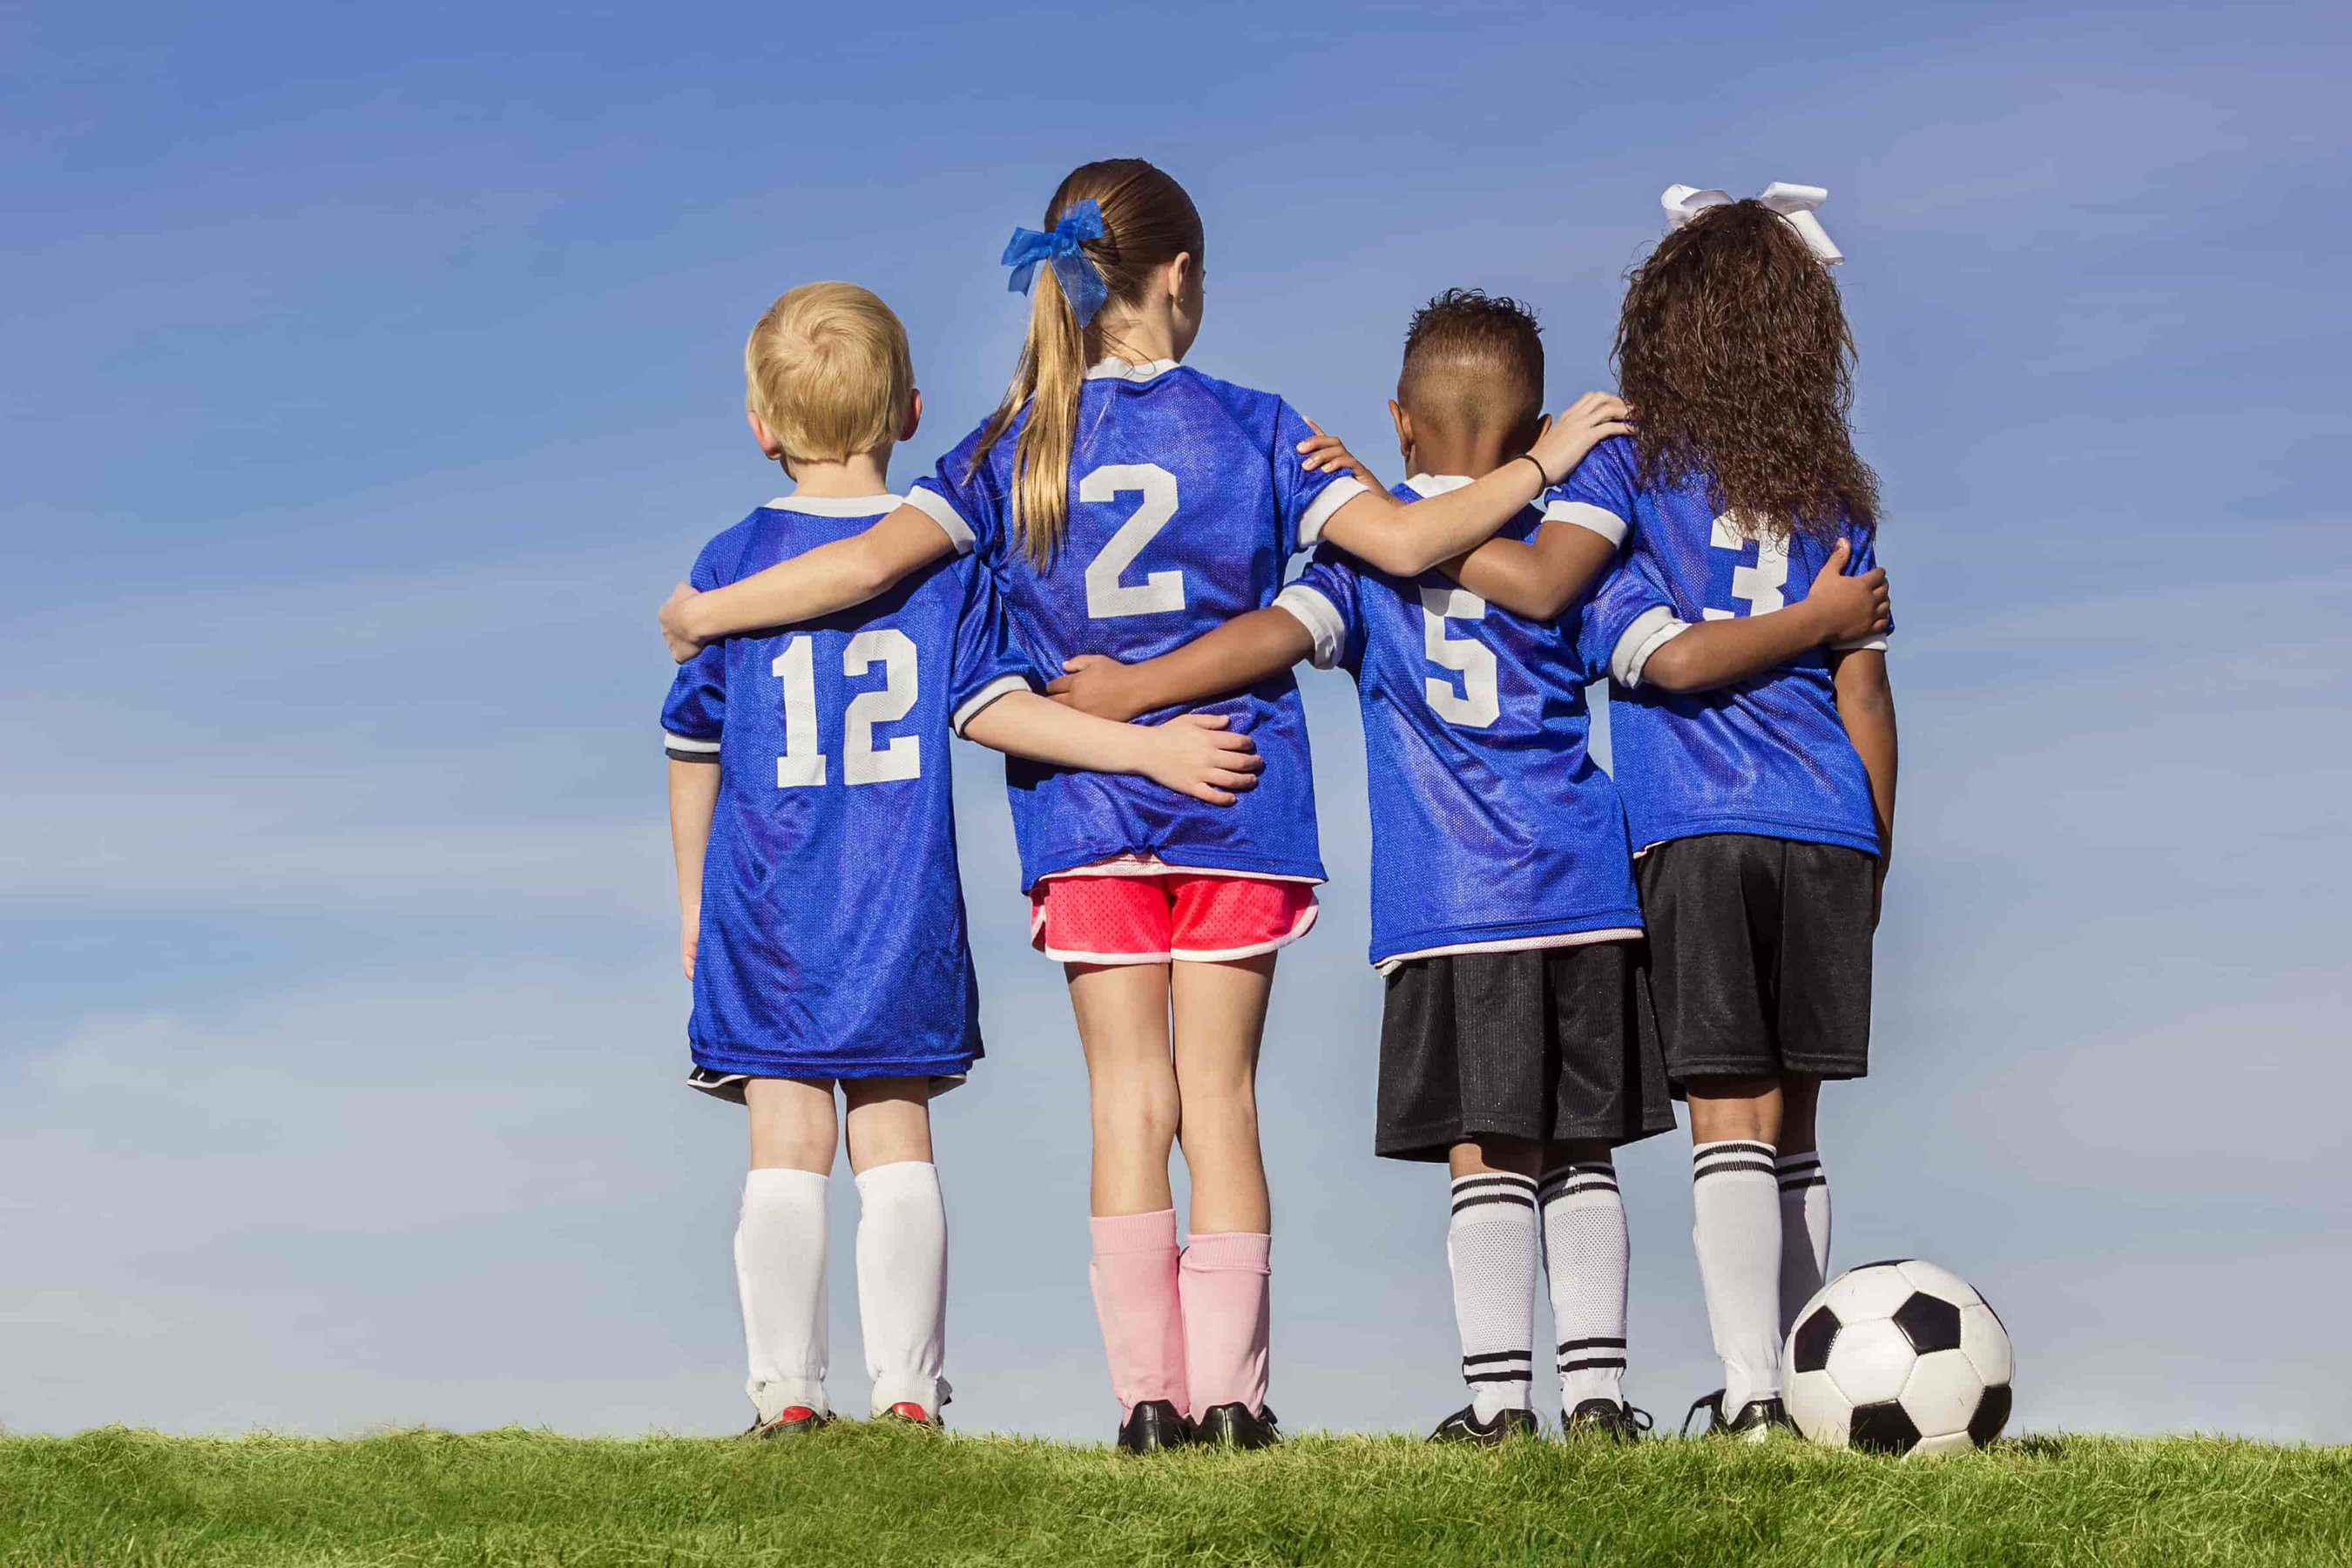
1671 668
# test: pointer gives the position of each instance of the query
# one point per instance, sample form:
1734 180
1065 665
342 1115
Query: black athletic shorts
1552 1043
1760 955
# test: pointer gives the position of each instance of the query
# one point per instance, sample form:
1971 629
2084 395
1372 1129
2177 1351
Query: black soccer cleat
1463 1427
1152 1425
1237 1425
1612 1420
791 1421
1758 1419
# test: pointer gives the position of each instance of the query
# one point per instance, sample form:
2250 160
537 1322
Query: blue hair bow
1082 280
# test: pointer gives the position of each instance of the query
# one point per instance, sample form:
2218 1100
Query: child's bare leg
902 1242
1804 1197
1491 1252
779 1245
1586 1258
1122 1014
1736 1190
1219 1012
1220 1018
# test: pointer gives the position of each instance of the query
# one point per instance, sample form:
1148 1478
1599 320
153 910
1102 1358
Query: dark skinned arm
1866 706
1538 579
1708 654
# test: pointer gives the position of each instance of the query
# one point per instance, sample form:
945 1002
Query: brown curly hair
1734 351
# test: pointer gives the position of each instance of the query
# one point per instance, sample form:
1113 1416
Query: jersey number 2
861 763
1479 703
1108 598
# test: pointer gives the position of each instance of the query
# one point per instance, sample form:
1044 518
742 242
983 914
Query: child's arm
1405 539
1190 753
1866 704
1704 655
693 796
835 576
1240 653
1540 578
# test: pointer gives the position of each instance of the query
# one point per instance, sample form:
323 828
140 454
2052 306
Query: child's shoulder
1249 406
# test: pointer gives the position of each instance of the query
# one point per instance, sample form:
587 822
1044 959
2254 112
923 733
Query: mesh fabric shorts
1169 915
1552 1043
1760 954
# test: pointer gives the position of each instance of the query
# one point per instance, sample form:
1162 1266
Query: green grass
868 1495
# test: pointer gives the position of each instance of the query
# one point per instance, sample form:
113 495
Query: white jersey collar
836 506
1427 484
1117 369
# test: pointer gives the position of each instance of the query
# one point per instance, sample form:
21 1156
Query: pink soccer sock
1225 1287
1137 1301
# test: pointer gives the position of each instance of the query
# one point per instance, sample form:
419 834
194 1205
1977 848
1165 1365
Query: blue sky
370 374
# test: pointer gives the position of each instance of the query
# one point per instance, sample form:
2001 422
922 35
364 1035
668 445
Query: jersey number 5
1108 598
1479 703
802 763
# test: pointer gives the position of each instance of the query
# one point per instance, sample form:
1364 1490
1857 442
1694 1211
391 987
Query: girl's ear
907 426
1180 272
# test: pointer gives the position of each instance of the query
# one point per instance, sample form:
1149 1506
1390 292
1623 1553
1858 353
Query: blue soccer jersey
832 940
1768 756
1492 828
1187 501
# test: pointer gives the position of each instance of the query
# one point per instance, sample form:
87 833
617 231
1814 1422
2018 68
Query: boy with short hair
811 812
1516 1044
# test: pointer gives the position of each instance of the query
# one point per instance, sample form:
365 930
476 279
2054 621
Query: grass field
867 1495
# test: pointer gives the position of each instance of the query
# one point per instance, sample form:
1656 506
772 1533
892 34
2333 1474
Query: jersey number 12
861 763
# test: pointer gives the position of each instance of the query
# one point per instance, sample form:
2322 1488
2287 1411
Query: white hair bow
1794 203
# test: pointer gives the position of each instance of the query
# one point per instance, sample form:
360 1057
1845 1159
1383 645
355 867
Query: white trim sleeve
1867 645
1653 629
1315 611
987 694
686 749
1584 514
1330 499
935 506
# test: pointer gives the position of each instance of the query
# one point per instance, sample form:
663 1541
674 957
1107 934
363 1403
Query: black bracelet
1543 481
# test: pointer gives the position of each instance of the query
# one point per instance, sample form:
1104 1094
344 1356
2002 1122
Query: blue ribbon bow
1059 247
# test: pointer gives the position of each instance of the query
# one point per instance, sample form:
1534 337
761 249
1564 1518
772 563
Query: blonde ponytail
1148 221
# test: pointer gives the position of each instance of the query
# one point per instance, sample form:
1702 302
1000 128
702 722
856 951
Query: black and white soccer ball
1900 1357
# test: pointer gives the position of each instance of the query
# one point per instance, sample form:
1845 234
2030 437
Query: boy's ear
1403 422
768 442
914 418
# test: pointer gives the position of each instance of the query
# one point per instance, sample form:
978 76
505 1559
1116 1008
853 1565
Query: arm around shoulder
819 582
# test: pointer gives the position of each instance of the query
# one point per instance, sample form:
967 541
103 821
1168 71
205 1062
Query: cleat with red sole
913 1415
791 1421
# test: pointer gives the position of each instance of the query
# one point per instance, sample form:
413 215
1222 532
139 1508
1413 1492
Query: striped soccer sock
1804 1232
1490 1244
1737 1194
1586 1256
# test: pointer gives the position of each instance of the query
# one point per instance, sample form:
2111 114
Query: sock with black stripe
1737 1194
1491 1246
1586 1256
1804 1232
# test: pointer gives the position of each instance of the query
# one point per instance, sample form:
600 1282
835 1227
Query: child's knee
793 1123
1146 1118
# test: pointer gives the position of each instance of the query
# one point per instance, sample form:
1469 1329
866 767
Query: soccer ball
1901 1357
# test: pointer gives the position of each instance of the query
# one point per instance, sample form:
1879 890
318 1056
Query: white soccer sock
902 1282
1737 1194
1586 1255
1491 1246
1804 1232
780 1270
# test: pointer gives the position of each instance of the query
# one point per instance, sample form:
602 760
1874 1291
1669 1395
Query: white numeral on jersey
1757 587
902 758
1477 704
1159 591
803 765
802 762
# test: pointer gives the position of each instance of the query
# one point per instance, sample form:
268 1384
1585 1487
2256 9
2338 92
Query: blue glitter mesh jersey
1492 828
1186 503
1768 756
833 930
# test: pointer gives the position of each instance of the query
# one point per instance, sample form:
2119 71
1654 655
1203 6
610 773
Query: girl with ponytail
1126 504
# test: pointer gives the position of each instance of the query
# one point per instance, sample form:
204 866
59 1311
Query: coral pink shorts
1203 919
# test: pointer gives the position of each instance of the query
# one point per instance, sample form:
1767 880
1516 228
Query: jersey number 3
861 763
1108 598
1757 587
1479 703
